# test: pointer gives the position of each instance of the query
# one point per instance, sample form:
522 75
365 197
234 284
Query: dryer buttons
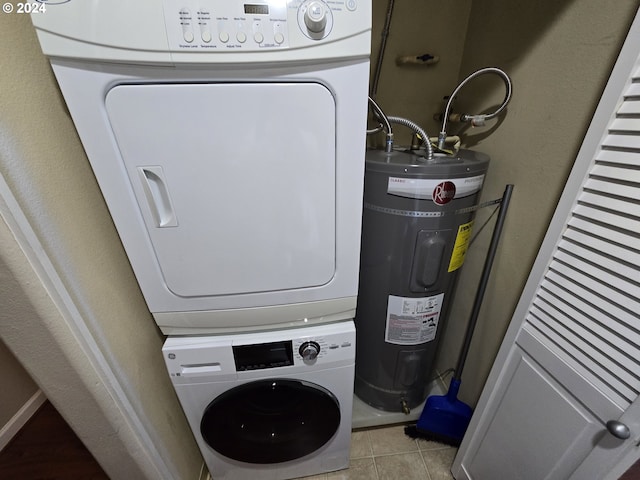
309 351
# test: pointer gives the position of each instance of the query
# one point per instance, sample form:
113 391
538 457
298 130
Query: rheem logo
444 193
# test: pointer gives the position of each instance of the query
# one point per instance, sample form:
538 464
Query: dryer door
235 182
271 421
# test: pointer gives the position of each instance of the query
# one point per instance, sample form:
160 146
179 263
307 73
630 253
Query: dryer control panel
254 25
206 31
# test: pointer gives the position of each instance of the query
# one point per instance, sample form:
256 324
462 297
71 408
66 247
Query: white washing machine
273 405
228 140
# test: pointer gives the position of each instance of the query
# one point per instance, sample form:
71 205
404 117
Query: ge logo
444 193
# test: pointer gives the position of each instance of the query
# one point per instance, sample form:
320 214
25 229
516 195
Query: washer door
271 421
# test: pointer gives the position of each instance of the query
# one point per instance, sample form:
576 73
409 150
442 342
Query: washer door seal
271 421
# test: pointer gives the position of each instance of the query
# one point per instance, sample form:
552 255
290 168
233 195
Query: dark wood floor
633 473
47 449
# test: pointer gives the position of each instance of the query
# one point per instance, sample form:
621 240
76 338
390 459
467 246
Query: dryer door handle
155 190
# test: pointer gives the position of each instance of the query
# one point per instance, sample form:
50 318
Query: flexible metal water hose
475 119
387 126
401 121
416 128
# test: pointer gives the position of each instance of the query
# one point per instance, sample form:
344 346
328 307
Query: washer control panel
323 347
254 355
252 25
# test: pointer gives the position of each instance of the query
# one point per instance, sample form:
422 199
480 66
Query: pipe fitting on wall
426 59
476 120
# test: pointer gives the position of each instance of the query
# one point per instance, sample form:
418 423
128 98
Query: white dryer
228 140
273 405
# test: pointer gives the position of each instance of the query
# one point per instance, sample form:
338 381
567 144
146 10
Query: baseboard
21 417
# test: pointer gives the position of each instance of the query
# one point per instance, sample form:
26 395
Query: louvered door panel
625 125
615 140
567 343
587 306
590 227
591 320
600 259
614 173
604 217
570 360
615 251
611 204
618 158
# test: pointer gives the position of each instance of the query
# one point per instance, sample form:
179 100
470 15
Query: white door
570 361
610 457
235 182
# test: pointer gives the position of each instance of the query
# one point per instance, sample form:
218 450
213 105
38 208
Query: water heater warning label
461 246
412 321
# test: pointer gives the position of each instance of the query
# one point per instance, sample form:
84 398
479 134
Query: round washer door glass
271 421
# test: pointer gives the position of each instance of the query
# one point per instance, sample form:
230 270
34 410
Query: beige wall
43 163
559 55
416 91
34 327
19 385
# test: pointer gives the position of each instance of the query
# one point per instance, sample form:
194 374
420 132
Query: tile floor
386 453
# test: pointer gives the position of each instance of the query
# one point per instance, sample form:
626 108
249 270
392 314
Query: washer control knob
309 351
315 18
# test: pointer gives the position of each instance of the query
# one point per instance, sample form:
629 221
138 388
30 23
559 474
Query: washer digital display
263 355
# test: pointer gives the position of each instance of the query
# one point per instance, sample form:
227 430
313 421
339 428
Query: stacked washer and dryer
228 141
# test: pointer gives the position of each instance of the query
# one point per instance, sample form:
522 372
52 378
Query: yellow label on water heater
461 246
